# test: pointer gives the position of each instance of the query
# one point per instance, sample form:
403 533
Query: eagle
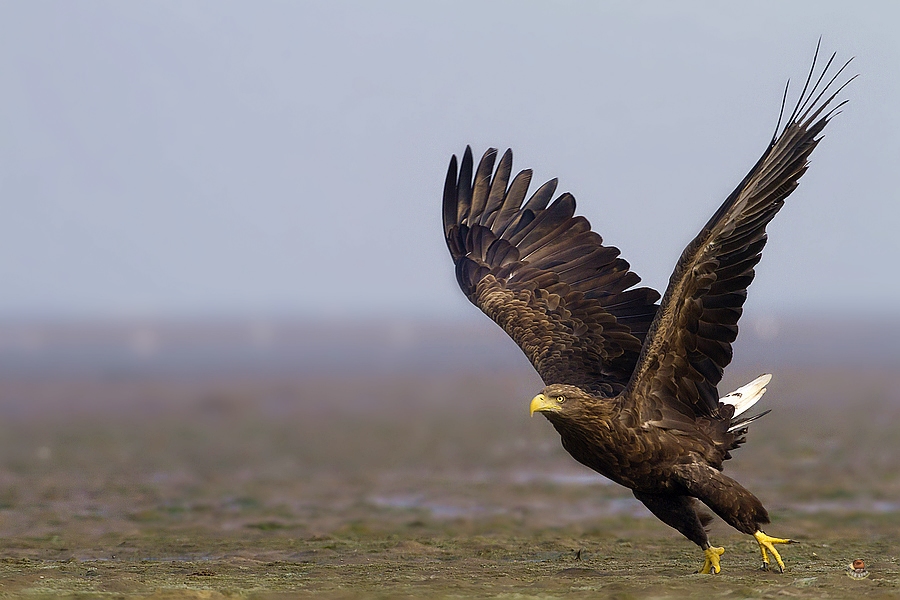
631 375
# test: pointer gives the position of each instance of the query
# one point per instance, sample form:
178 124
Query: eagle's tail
746 396
743 398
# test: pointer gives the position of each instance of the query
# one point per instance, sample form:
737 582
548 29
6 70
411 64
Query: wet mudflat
427 486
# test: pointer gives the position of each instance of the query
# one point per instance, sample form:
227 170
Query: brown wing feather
689 342
543 275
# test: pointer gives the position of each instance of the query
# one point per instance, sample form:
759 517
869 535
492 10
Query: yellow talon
766 543
711 564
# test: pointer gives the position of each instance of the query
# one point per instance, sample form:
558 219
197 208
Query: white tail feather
746 396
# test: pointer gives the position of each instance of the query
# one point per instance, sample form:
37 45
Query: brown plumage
631 379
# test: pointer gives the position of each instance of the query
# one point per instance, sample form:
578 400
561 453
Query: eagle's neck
593 437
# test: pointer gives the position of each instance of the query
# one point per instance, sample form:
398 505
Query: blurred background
224 279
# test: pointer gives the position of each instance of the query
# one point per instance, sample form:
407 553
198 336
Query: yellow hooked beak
542 403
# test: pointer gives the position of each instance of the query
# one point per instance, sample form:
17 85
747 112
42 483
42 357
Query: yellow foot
711 564
766 543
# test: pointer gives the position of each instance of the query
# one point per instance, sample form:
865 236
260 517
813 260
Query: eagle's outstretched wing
540 272
689 342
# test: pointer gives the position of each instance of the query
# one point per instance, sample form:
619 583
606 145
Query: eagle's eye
560 399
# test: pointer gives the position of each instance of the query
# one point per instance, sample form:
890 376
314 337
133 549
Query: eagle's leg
766 543
679 512
735 504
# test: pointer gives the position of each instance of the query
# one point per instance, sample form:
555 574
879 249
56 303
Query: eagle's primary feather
631 376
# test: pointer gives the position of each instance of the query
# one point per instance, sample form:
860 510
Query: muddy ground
401 486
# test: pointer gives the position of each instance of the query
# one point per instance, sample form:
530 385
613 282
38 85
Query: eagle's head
560 402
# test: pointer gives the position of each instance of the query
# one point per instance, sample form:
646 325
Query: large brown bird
631 382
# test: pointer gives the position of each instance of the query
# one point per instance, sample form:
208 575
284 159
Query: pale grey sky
190 159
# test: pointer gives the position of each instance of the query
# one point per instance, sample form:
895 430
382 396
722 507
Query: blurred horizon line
130 346
866 315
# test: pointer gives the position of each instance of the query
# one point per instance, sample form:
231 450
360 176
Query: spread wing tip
810 104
